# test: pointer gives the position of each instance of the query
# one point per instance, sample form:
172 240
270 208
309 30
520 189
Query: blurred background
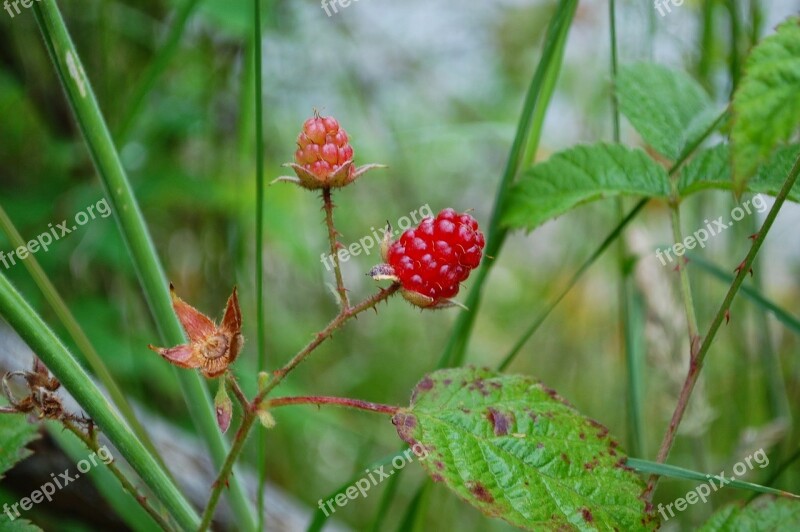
433 89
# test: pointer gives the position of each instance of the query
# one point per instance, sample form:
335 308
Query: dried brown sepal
211 348
41 402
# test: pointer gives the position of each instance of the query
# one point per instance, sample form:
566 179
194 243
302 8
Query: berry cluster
431 260
322 147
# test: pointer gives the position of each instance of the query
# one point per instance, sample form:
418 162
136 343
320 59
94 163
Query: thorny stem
250 413
90 440
328 206
696 363
345 402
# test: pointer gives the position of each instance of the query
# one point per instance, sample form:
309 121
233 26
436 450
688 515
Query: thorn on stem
727 316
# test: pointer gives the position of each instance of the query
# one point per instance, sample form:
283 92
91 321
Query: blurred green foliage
433 91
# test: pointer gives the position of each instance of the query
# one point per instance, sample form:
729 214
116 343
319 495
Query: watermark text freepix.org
702 491
370 241
43 241
361 486
8 4
48 489
714 227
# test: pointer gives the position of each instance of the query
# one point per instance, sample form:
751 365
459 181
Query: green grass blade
665 470
789 320
260 334
319 516
549 66
62 364
109 487
134 231
78 335
149 78
628 297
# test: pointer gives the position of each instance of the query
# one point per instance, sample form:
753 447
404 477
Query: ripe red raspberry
322 147
431 260
324 157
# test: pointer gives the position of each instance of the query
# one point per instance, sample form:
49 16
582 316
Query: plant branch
127 485
332 233
696 363
251 413
319 400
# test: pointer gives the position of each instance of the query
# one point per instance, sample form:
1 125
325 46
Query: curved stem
696 363
345 402
337 270
251 412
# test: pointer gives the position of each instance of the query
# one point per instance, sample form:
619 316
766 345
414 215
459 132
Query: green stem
686 287
78 335
251 414
696 364
62 364
260 318
134 231
127 485
575 277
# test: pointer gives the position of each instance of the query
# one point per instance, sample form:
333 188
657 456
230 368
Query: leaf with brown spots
517 450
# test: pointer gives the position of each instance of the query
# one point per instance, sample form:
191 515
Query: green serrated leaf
765 514
15 434
766 105
711 169
579 175
516 450
665 106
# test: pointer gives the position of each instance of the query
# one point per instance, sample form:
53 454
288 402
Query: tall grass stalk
134 231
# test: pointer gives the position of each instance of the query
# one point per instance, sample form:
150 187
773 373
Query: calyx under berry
432 260
324 157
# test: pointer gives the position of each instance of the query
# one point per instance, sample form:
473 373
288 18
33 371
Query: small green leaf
15 434
579 175
765 514
516 450
17 525
766 105
666 107
711 169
